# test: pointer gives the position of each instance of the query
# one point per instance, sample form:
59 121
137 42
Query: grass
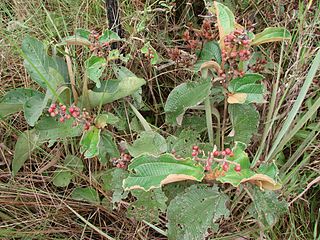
31 208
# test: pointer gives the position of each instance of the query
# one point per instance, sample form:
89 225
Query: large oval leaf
271 34
245 120
184 96
26 143
148 142
114 90
225 19
193 212
148 171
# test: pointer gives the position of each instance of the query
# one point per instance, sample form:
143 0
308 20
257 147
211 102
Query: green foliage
16 99
266 208
112 90
148 142
148 205
247 84
26 143
71 166
87 194
112 181
89 144
148 171
193 212
271 34
95 67
107 147
184 96
245 120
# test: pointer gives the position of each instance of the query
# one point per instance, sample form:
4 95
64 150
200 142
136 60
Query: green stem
207 107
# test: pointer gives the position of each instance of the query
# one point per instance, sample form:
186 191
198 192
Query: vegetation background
32 208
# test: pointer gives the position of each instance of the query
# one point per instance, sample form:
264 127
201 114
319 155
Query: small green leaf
271 34
112 181
193 212
266 208
62 178
247 85
106 118
25 145
148 205
108 36
89 144
81 32
88 194
210 51
33 108
245 120
113 90
50 129
148 49
184 96
225 19
14 100
148 142
148 171
95 67
107 146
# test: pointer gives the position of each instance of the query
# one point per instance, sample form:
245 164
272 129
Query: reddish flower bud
195 148
233 54
68 116
223 153
63 108
53 106
52 114
50 110
216 153
194 153
71 109
228 151
225 167
61 119
237 168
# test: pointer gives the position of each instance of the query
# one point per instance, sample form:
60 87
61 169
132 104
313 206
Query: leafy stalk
207 106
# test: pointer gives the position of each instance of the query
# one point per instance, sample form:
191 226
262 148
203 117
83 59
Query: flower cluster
259 65
63 113
121 162
216 156
149 54
96 47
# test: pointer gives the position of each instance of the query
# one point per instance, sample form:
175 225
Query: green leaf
108 36
50 129
107 146
88 194
106 118
245 120
266 208
36 60
193 212
271 34
113 90
89 144
112 181
148 205
25 145
184 96
148 142
210 51
247 85
14 100
61 178
72 166
148 49
95 67
182 144
81 32
148 171
225 19
33 108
